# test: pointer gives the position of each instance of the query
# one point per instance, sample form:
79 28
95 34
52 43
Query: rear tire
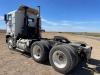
74 54
39 51
61 59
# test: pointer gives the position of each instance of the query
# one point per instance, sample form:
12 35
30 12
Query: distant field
85 33
2 31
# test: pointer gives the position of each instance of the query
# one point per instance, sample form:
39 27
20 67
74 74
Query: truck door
9 23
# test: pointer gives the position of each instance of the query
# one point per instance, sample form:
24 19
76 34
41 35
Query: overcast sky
60 15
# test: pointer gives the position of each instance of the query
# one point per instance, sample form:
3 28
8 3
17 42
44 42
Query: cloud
69 23
1 17
60 23
81 22
79 27
65 25
43 20
87 22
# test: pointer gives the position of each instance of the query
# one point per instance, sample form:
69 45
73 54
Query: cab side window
30 20
9 17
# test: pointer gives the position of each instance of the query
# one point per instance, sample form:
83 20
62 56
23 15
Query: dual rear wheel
63 58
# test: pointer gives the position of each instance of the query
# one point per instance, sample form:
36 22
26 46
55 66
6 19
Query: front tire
10 43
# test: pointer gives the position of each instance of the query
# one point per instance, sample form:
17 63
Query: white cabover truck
24 33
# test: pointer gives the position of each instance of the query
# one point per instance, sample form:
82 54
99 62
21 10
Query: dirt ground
20 63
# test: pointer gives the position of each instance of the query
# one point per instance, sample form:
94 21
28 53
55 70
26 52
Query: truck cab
15 22
23 23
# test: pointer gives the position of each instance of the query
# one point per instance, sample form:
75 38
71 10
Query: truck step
20 49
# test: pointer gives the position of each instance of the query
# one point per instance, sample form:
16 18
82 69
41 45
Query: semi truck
24 33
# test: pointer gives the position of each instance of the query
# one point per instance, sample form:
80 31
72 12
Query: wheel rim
59 59
10 44
36 52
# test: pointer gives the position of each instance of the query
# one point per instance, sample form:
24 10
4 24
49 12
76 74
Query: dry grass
18 63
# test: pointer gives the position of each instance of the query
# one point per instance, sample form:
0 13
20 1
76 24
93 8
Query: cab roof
30 10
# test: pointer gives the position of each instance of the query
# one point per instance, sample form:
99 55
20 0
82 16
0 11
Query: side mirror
5 17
